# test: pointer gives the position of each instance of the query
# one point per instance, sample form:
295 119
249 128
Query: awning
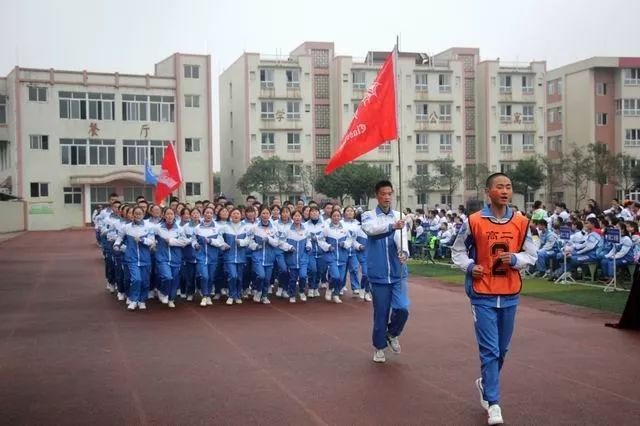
131 175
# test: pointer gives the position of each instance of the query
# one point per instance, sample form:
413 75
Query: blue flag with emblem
149 177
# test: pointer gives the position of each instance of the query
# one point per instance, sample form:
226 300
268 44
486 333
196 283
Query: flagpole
397 77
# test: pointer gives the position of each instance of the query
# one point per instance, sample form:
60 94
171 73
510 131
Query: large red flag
374 122
170 176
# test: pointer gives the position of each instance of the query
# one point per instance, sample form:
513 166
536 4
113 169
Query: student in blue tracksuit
587 252
387 253
548 247
282 224
153 222
189 259
237 238
264 241
622 253
297 247
317 264
361 253
137 239
221 289
118 256
108 234
491 248
170 240
248 276
352 226
208 244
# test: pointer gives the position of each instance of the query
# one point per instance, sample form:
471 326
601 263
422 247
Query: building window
445 199
3 109
601 89
444 83
162 108
191 71
422 112
134 107
505 113
470 118
505 83
73 105
323 147
422 142
37 94
601 119
193 189
469 89
527 113
74 151
39 142
293 78
506 167
422 82
293 110
102 152
266 78
470 147
422 169
554 115
386 168
527 84
528 142
359 79
321 86
506 143
192 144
385 147
555 143
445 143
322 116
102 106
631 76
192 101
135 152
72 195
294 172
268 142
320 58
630 107
39 189
445 113
266 111
293 142
632 137
5 155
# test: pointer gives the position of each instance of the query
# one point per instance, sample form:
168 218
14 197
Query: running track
71 354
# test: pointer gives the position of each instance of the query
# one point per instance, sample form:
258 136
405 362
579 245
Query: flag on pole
374 122
170 175
149 177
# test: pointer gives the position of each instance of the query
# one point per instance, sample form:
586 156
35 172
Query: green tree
577 166
477 178
423 184
263 176
552 168
527 177
333 185
308 176
361 179
450 175
217 188
625 173
604 167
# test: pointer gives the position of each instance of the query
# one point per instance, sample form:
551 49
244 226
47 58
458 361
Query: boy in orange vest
492 246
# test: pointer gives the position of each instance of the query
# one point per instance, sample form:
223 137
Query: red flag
374 122
170 176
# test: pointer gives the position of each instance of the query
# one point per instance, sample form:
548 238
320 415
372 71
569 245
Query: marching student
263 244
236 237
208 244
280 266
353 227
361 253
170 240
248 275
335 242
189 259
221 285
108 234
317 263
297 247
118 256
153 222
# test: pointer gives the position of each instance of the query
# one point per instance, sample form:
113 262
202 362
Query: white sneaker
238 301
327 295
394 342
285 294
355 293
132 306
225 292
171 304
142 306
151 295
362 295
292 300
256 297
483 402
378 356
229 301
216 296
112 288
342 292
164 299
209 302
336 299
279 292
367 297
265 301
121 296
303 297
178 293
184 296
128 301
203 302
324 285
190 298
495 415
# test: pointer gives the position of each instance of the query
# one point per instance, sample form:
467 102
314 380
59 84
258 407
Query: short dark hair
491 177
383 184
250 197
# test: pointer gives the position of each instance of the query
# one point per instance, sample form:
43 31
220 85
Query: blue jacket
236 237
315 231
209 240
263 244
170 251
188 252
300 241
383 243
136 252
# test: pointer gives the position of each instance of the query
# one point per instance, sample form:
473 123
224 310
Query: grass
589 297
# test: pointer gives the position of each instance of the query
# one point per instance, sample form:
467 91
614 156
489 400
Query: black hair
491 177
383 184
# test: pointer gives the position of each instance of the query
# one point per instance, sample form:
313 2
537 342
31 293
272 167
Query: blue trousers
263 275
169 279
119 273
581 259
317 269
607 265
337 274
364 281
352 269
390 310
235 272
109 267
155 276
249 275
298 275
280 271
139 282
543 258
206 277
188 282
493 327
219 280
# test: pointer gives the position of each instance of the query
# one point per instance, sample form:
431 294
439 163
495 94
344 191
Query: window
39 189
505 113
469 118
386 168
323 147
470 147
506 142
37 94
192 144
551 88
5 155
73 105
135 152
102 152
422 112
134 107
102 106
601 89
631 107
266 111
527 113
445 199
631 76
3 109
445 142
39 142
444 83
74 151
422 82
293 110
422 169
505 83
601 119
322 116
293 142
385 147
528 142
321 86
293 78
191 71
359 80
555 143
422 142
193 189
527 84
268 142
266 78
445 112
506 167
320 58
192 101
72 195
162 108
632 137
554 115
294 172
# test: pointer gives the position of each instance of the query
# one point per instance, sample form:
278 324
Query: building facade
70 138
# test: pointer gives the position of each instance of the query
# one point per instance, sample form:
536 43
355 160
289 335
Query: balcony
422 94
433 125
293 92
505 94
267 91
517 124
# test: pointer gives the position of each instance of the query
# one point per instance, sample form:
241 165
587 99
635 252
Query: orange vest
490 240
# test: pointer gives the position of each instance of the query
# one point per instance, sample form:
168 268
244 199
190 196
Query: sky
130 36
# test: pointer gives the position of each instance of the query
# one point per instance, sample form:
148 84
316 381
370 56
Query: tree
552 168
308 177
626 171
478 176
423 184
332 185
263 176
216 188
604 167
527 176
357 180
450 175
577 169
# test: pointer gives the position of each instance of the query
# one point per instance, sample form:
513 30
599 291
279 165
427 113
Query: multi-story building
70 138
593 101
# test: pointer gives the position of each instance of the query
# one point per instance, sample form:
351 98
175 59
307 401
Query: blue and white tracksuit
121 272
209 242
237 238
189 261
220 279
108 234
622 253
361 254
493 316
297 247
587 252
548 249
170 240
263 244
353 227
280 264
248 278
317 263
388 276
336 242
137 239
445 239
154 283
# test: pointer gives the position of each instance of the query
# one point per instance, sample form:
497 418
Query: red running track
71 354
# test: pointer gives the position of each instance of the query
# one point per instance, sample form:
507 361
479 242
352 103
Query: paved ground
71 354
